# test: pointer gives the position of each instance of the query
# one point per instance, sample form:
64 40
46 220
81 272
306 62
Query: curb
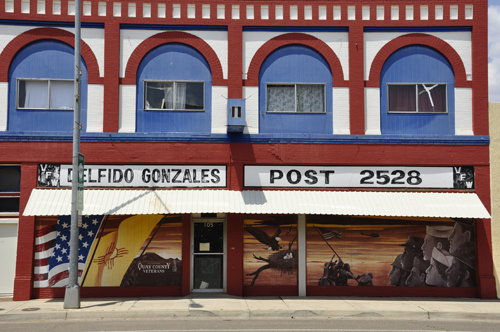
78 314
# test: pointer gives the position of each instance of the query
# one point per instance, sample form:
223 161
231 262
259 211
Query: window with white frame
45 94
299 98
10 187
417 98
173 95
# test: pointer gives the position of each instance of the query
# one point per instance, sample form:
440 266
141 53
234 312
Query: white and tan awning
54 202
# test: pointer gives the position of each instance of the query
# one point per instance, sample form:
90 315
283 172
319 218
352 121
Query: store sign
456 177
159 176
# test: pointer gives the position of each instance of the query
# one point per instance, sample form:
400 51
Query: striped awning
55 202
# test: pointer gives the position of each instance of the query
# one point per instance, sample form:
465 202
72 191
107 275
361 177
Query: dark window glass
208 237
209 215
402 98
431 98
9 204
417 98
193 96
174 95
159 95
10 179
208 271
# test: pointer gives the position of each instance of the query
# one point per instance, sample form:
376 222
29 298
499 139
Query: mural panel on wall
142 250
270 250
346 251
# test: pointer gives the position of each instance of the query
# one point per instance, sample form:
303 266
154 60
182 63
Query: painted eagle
272 242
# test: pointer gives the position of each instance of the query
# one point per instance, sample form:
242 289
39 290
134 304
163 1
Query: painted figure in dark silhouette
398 275
462 272
417 274
413 248
463 232
344 275
329 274
365 279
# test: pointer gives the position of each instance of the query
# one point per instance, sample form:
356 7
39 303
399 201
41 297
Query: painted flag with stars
328 234
52 250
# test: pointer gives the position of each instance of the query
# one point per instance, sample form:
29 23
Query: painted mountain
153 270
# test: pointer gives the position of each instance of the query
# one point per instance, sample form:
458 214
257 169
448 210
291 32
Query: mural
347 251
270 250
142 250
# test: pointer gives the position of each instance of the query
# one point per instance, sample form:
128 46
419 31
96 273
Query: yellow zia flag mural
117 250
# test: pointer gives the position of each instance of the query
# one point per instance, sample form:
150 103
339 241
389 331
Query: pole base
72 298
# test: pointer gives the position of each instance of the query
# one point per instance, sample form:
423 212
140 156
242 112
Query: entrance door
208 256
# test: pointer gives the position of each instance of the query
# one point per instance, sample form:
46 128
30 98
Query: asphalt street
251 325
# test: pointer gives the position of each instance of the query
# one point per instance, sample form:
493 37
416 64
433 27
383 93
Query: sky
494 50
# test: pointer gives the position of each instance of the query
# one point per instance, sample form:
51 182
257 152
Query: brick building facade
251 148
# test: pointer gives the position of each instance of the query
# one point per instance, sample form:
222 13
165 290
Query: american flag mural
52 250
328 234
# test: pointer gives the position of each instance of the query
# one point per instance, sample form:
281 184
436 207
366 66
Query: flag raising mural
383 252
52 250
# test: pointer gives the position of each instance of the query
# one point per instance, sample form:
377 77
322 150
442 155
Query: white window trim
173 109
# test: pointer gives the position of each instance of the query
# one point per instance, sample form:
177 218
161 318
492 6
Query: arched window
41 88
174 90
295 92
417 93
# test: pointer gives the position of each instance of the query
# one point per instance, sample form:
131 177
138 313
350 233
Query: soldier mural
348 251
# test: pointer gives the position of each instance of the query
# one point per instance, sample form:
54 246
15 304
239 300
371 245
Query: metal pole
72 295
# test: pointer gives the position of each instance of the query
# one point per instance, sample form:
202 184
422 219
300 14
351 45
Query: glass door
208 256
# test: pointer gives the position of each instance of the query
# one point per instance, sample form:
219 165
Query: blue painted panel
44 59
418 29
92 25
174 62
295 64
173 27
417 64
295 29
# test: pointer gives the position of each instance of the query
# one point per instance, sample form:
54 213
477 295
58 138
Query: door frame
223 220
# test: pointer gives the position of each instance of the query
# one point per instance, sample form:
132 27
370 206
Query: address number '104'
387 177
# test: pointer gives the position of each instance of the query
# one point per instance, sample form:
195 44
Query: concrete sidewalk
224 306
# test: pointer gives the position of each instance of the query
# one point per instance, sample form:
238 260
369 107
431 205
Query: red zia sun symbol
111 253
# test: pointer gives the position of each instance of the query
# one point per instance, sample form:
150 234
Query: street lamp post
72 295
